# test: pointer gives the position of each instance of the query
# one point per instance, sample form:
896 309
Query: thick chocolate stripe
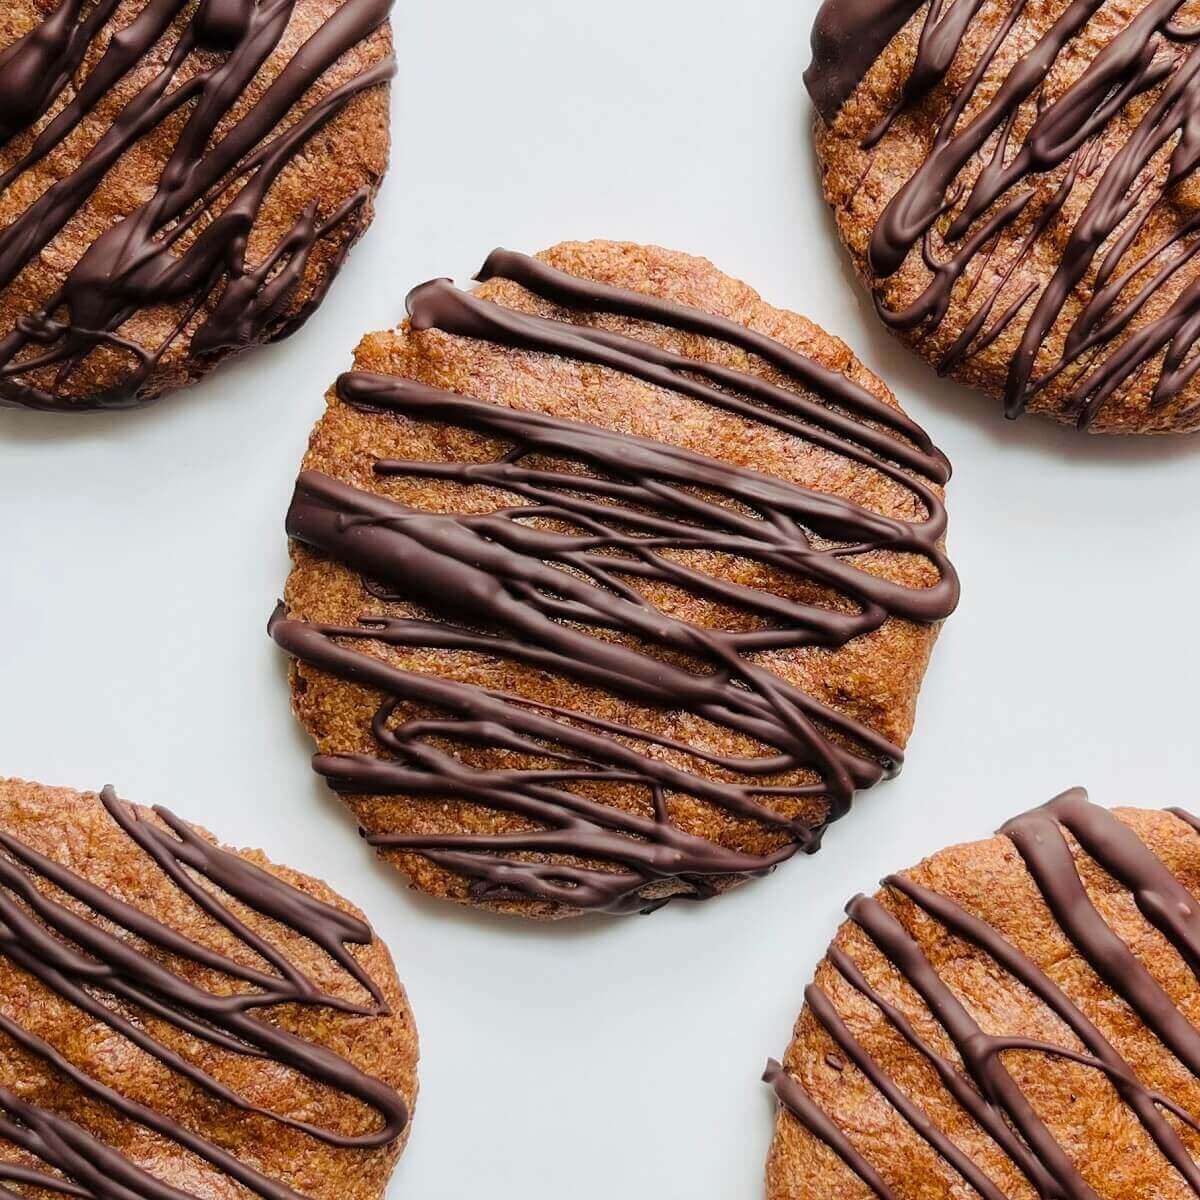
81 961
137 264
847 37
1151 54
1040 842
982 1086
619 506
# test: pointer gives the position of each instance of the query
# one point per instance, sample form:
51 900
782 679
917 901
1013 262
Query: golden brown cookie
1016 184
178 1019
1015 1018
612 583
179 180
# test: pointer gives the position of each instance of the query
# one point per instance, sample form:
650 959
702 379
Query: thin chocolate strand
985 1091
500 586
77 958
1152 52
136 264
953 1078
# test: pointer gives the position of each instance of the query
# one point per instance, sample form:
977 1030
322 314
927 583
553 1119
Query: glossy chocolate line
497 586
79 960
981 1086
1099 348
137 264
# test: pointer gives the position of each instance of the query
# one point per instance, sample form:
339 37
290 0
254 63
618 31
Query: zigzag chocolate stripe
1152 56
526 595
979 1081
212 189
107 977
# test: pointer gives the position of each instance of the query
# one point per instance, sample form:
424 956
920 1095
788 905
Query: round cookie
1016 184
179 1019
612 583
1012 1018
179 180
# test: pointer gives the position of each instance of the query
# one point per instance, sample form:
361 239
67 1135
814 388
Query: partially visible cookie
178 1019
612 583
1015 1018
179 180
1016 184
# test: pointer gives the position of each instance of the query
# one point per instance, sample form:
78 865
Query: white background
141 554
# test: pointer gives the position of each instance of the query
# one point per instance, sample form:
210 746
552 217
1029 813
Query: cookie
1015 183
1012 1018
612 583
179 1019
179 180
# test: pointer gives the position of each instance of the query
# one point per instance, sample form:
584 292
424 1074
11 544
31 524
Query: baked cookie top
179 180
1013 1018
1015 182
179 1019
612 583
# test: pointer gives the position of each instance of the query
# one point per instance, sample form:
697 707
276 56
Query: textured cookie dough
709 733
179 180
1016 185
1012 1019
129 1065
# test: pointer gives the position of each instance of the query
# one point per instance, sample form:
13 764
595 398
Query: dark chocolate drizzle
847 37
111 980
978 1080
187 244
979 184
500 586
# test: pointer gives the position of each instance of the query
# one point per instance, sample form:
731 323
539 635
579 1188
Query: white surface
141 555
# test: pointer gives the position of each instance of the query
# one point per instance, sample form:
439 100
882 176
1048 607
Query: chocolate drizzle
109 979
978 1079
621 510
187 244
975 200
